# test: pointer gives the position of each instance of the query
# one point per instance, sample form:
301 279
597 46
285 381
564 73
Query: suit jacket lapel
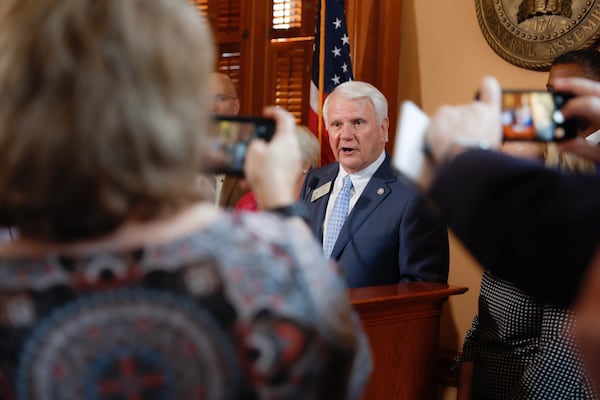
328 174
374 194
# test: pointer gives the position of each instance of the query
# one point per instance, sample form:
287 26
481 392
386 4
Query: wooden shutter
291 61
229 62
265 46
290 54
227 21
287 14
202 6
225 17
292 18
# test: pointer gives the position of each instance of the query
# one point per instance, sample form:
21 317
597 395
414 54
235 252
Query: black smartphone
228 141
535 115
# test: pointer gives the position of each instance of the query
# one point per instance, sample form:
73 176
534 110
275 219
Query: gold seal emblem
532 33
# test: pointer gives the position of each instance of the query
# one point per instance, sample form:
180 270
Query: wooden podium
402 322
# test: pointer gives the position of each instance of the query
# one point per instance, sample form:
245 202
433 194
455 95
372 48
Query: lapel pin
380 191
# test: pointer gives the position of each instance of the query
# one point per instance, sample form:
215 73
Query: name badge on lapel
321 191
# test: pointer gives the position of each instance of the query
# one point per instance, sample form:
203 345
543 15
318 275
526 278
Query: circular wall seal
532 33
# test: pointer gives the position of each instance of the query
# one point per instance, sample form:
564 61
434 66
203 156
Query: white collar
361 178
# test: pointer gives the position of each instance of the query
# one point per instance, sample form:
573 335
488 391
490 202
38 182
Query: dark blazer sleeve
423 249
536 227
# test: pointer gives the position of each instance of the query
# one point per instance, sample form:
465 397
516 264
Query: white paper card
409 156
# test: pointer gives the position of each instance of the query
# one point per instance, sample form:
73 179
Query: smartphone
229 138
535 115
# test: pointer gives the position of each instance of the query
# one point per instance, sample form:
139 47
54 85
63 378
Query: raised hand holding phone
535 115
475 124
423 143
272 167
229 141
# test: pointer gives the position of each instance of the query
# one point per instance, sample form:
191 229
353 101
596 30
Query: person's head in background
554 158
98 129
573 64
224 100
550 155
584 63
355 116
310 151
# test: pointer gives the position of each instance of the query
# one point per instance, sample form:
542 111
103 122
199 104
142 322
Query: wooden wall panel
374 30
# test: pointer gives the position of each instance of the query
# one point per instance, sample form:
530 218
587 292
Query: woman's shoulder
258 240
243 278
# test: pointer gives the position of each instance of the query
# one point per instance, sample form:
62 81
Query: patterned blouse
522 348
245 309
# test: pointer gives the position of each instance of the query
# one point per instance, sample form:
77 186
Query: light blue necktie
338 216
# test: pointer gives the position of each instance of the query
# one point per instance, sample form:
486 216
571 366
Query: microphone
313 183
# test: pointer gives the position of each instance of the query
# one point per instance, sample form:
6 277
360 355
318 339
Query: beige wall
444 55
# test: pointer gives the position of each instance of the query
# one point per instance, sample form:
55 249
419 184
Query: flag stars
345 67
337 23
335 80
345 40
337 52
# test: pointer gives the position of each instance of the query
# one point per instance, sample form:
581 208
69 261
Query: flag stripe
321 55
331 66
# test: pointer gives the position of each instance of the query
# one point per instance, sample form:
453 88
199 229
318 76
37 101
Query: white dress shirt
359 180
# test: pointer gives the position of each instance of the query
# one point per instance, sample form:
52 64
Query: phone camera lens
558 117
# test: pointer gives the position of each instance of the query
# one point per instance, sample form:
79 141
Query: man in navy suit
390 234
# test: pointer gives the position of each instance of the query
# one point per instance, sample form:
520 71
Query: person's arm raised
272 168
476 124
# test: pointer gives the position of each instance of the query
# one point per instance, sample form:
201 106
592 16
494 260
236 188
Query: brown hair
569 162
102 110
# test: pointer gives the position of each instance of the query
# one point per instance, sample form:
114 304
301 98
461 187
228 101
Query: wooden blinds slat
229 62
202 6
291 62
287 14
229 16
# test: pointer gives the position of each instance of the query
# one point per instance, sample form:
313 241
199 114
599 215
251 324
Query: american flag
330 67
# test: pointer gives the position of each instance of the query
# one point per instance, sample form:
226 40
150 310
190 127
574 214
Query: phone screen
535 115
229 139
